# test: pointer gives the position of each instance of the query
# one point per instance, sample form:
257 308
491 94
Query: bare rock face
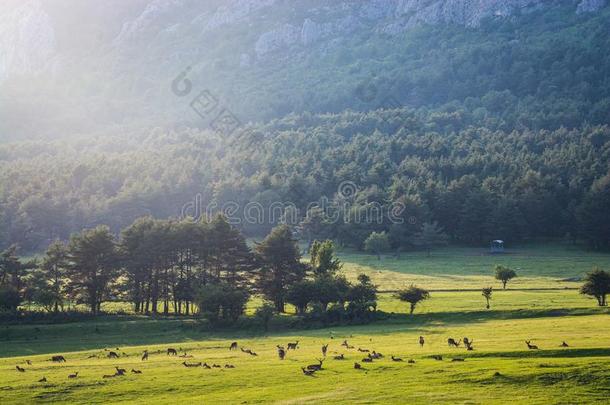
280 38
234 11
590 6
27 40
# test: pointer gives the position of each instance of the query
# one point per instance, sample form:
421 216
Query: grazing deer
233 346
20 369
308 373
229 366
324 349
530 346
216 366
172 352
145 355
564 344
411 361
28 362
376 355
134 371
339 357
120 371
468 344
345 344
396 358
358 366
437 357
421 341
75 375
293 346
453 342
112 355
92 356
367 360
185 364
109 375
315 367
58 359
185 356
457 359
281 352
43 380
364 350
205 365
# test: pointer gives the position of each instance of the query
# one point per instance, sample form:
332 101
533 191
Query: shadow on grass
460 317
113 331
553 353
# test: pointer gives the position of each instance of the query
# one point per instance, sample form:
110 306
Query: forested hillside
476 181
490 120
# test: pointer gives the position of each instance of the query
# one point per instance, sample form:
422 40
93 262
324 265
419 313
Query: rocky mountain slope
123 54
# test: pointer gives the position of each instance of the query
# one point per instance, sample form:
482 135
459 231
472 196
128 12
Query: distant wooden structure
497 246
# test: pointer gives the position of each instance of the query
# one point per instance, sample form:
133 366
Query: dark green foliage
377 243
597 284
10 299
504 274
413 295
222 302
280 259
265 314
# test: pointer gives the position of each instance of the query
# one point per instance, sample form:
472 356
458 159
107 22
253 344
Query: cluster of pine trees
182 267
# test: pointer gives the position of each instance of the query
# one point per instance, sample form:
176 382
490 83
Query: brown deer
315 367
229 366
233 346
28 362
339 357
421 341
358 366
134 371
109 375
185 364
437 357
112 355
172 352
324 349
20 369
145 355
453 342
396 358
367 360
468 344
58 359
120 371
216 366
376 355
530 346
43 380
206 366
186 356
363 350
293 346
411 361
281 352
75 375
564 344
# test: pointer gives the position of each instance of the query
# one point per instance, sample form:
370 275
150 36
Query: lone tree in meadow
504 274
413 295
597 284
487 291
376 243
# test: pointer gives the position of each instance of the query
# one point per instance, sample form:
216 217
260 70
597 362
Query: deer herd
310 370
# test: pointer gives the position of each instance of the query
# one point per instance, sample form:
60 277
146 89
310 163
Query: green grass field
499 370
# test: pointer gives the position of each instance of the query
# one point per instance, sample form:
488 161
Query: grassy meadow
538 306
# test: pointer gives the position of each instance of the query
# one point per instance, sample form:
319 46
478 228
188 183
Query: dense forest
476 181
